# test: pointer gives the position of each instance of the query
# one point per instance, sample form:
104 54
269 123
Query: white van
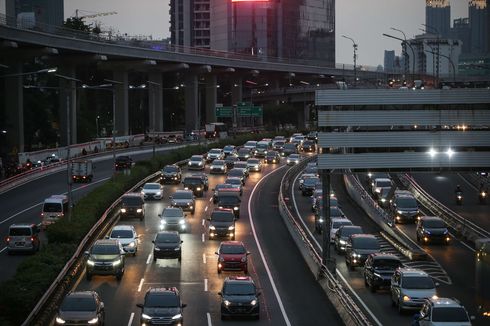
54 208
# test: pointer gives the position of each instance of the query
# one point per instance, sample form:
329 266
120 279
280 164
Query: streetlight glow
449 152
432 152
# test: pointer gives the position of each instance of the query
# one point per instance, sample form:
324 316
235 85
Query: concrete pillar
121 103
236 91
191 102
211 96
68 106
306 110
275 87
14 106
155 101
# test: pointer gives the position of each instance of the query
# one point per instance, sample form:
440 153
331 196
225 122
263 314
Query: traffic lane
442 187
306 304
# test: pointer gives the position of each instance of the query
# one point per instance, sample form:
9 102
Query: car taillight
7 239
32 239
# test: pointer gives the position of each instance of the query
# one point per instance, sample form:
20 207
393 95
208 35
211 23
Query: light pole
450 61
305 83
97 126
407 57
41 71
354 45
411 48
436 82
438 45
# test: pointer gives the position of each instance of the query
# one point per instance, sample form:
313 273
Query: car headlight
222 168
435 297
159 193
212 227
320 220
145 316
236 208
182 221
174 203
131 244
427 232
221 259
253 302
378 190
383 200
139 210
200 163
157 249
90 262
227 303
198 188
231 228
356 255
377 275
399 212
190 163
177 249
93 320
123 210
406 298
60 320
342 242
143 193
178 316
116 262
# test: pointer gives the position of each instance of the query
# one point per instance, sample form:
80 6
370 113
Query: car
224 188
335 224
358 248
196 162
404 207
244 166
232 256
81 308
221 224
231 201
293 159
382 190
123 162
244 154
231 160
184 199
133 205
376 175
53 158
431 229
162 306
105 257
343 234
378 270
272 157
254 164
312 170
23 238
312 135
229 150
289 149
204 179
218 166
196 184
294 135
237 173
335 212
442 312
308 146
152 190
298 140
278 145
239 297
261 149
127 237
215 154
171 174
309 185
410 288
235 183
167 244
172 218
250 145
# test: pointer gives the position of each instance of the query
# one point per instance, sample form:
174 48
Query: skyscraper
49 12
478 26
438 17
389 61
190 23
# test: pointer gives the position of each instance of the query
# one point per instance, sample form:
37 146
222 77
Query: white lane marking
206 209
38 204
208 315
205 285
131 319
149 259
373 316
273 284
204 258
141 284
203 221
5 248
202 237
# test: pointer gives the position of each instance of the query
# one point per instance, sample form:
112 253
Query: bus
216 130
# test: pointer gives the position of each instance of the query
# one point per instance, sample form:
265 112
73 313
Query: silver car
23 237
254 164
196 162
410 288
127 237
172 218
184 199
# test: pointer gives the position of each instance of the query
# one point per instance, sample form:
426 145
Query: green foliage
77 23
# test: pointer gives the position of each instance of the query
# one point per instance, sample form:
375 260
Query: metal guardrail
343 302
465 228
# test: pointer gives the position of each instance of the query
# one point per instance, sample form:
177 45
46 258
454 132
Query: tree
78 24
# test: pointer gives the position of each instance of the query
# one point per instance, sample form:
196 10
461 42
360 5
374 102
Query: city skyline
151 17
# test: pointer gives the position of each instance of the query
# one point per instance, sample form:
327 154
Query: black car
167 244
289 149
309 185
431 229
133 205
378 270
106 257
237 173
196 184
309 146
242 165
230 161
81 308
123 162
244 154
171 174
222 224
358 248
239 297
272 157
230 201
223 188
343 234
162 306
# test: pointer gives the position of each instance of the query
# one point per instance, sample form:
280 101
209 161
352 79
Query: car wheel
154 258
180 258
119 276
373 288
141 219
233 238
223 317
192 212
245 271
352 267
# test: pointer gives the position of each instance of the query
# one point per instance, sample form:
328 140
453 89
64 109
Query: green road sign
250 111
224 112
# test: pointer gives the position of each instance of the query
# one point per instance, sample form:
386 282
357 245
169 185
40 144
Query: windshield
239 289
279 143
383 184
132 201
172 212
365 243
311 170
311 181
337 224
167 238
346 232
335 212
105 250
229 200
294 156
253 161
196 158
161 301
228 148
193 181
151 186
418 282
407 202
251 143
387 264
243 151
182 195
232 249
72 303
122 159
218 162
262 146
52 207
122 234
234 172
234 182
170 169
454 314
215 151
222 217
435 224
16 231
307 143
290 146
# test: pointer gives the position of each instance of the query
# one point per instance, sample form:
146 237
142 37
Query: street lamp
354 45
41 71
450 61
438 45
97 126
404 44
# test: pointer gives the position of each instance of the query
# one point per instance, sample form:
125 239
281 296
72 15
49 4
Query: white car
152 190
215 154
293 159
335 224
254 164
218 166
127 237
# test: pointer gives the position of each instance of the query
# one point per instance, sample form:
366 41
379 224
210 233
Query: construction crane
100 14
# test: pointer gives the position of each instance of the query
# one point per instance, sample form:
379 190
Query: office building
438 17
40 12
462 31
190 23
389 61
478 25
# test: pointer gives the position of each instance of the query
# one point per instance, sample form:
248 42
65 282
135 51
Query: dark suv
162 306
432 229
81 308
197 184
106 257
343 234
123 162
222 224
358 248
231 201
167 244
378 270
404 207
171 174
23 238
133 205
239 297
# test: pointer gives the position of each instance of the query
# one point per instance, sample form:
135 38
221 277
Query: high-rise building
190 23
389 61
49 12
488 27
438 16
461 31
478 25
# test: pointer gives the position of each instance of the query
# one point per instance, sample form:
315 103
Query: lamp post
450 61
97 126
438 45
404 44
354 45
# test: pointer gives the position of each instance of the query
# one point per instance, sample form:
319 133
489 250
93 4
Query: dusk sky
363 20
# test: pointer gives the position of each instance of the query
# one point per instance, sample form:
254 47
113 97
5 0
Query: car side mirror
181 241
219 293
159 215
107 237
184 305
216 253
258 294
139 305
152 241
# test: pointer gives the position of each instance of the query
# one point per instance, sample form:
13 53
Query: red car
232 256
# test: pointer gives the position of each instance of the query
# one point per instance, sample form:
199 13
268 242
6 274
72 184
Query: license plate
20 244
